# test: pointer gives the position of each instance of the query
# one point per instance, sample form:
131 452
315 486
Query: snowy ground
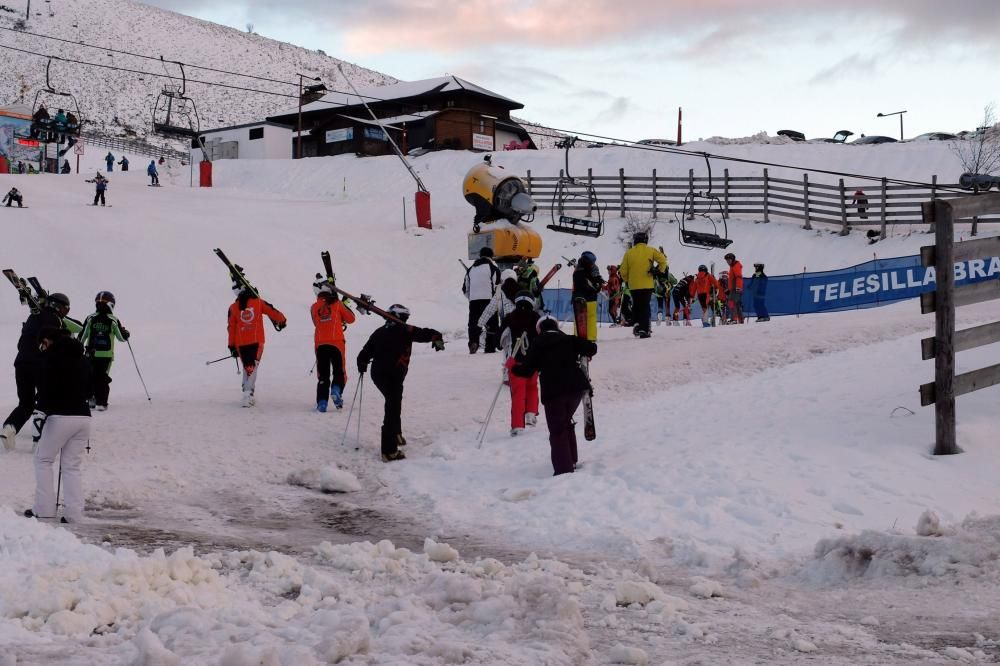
753 497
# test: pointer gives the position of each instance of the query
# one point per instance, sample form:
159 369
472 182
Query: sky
622 70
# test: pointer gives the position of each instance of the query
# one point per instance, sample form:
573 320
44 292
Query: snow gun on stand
501 201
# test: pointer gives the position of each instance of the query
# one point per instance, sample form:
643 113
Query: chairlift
175 115
574 193
52 129
703 240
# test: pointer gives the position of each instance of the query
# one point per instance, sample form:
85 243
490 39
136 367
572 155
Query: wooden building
441 113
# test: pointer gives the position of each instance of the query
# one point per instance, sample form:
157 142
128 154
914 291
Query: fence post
843 210
528 183
932 227
975 225
885 190
725 192
590 188
766 202
690 213
621 185
944 325
805 201
560 211
654 194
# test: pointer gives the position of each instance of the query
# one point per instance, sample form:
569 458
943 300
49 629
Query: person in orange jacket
330 316
735 293
701 289
246 335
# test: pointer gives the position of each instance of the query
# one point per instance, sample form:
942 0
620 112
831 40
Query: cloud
853 68
618 108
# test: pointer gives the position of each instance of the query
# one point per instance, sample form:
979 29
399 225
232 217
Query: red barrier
205 173
423 203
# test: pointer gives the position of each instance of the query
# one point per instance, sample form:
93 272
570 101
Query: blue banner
873 283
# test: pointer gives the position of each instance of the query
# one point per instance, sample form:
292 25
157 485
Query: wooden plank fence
764 197
134 146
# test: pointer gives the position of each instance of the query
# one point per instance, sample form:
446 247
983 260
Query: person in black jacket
388 350
54 313
556 357
587 284
64 422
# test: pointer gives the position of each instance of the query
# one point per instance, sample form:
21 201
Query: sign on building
338 135
375 133
482 142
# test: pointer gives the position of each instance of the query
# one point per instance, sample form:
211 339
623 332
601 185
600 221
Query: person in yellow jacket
637 271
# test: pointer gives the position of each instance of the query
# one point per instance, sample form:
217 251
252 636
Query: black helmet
588 257
730 256
703 267
57 300
400 312
759 267
640 237
525 297
105 297
486 252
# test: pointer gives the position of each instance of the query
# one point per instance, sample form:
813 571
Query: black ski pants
640 309
99 196
390 385
100 380
476 309
328 359
24 378
559 410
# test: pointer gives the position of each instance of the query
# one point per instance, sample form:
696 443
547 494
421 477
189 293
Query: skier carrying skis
53 314
517 335
64 422
246 334
154 176
556 357
100 330
388 350
496 309
14 196
613 288
100 187
637 271
701 288
587 284
330 316
681 295
734 295
758 288
109 159
479 286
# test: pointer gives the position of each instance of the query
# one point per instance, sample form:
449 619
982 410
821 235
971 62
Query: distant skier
154 176
637 271
663 284
861 201
123 163
109 159
681 295
246 335
587 284
496 309
21 169
734 292
100 187
14 196
479 286
758 287
66 168
100 330
556 357
517 334
702 288
388 350
613 288
330 317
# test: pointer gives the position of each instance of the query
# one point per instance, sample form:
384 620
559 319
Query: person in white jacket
481 280
497 308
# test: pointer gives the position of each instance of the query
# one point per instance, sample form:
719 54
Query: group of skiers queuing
62 370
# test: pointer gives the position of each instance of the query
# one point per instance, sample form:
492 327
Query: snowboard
17 206
580 317
102 206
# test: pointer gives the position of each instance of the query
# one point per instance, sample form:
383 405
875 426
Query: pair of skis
589 426
239 279
24 287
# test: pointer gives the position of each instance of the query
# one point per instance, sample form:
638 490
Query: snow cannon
497 195
510 242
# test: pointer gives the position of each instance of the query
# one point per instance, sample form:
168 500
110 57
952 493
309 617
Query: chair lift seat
705 240
578 226
173 130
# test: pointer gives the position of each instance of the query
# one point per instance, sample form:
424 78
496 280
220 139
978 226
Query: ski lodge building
440 113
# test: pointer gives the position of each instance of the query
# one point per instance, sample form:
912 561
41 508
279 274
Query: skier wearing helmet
637 269
330 317
246 334
735 291
517 334
388 350
100 330
498 307
701 288
587 284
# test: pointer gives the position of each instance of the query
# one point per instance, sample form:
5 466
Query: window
256 133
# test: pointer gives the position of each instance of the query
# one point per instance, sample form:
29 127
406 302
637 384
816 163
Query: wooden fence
764 197
133 146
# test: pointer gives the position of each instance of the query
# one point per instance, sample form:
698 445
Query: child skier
330 317
388 350
734 295
701 288
663 284
100 330
758 287
14 196
100 187
681 294
246 335
613 288
517 334
587 284
499 307
154 176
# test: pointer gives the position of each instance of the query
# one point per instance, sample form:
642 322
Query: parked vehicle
792 134
874 138
840 137
657 142
935 136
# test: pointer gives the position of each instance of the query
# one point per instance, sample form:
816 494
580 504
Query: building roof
398 91
388 122
256 124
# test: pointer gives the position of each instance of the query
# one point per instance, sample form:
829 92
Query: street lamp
895 113
314 93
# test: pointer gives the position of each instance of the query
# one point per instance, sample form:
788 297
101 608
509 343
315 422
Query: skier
758 287
479 286
556 357
587 284
613 288
64 422
388 350
527 280
637 271
123 163
701 288
66 168
330 316
100 330
663 284
100 187
861 201
21 168
14 196
60 120
734 293
681 294
109 159
154 177
53 314
246 335
496 309
517 334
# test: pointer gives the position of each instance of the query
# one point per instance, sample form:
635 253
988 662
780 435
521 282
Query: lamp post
895 113
312 89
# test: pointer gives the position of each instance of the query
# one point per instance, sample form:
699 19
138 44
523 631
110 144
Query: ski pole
312 368
361 397
351 411
224 358
489 415
137 370
58 482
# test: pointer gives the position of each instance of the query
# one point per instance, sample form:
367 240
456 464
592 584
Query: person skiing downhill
496 309
701 288
681 295
100 187
637 268
556 357
479 286
330 317
388 351
587 284
14 197
246 335
517 334
100 330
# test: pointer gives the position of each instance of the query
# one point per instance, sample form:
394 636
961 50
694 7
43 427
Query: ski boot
248 399
473 346
338 399
321 406
395 455
9 435
514 432
531 419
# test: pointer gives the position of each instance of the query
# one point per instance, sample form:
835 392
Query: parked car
840 137
874 138
792 134
657 142
935 136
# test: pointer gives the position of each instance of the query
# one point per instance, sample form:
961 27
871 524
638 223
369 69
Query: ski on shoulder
580 317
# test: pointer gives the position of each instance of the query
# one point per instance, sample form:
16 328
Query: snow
754 494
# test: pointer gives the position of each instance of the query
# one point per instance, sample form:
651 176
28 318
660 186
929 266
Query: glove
37 423
232 352
437 343
362 368
125 334
280 325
